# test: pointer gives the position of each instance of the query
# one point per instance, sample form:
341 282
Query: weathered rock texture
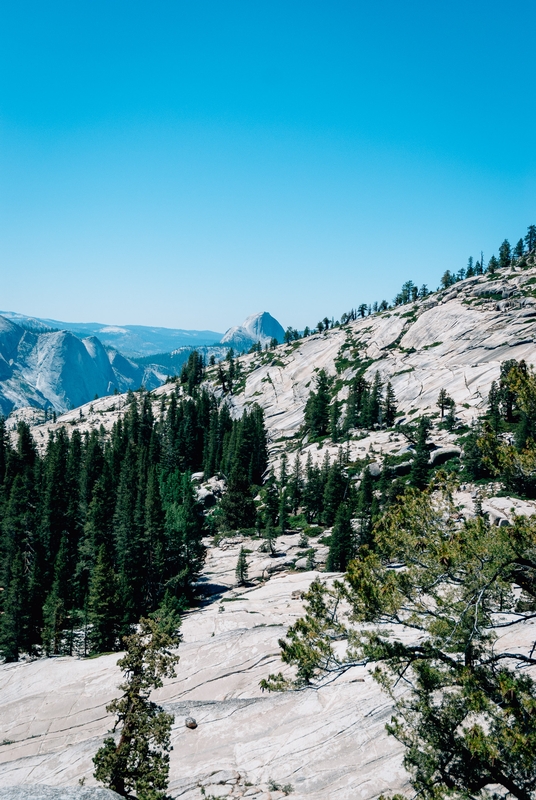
325 743
454 340
43 792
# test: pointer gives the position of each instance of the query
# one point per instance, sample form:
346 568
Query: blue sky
186 164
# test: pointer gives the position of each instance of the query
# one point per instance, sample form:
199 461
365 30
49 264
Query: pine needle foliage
439 608
138 761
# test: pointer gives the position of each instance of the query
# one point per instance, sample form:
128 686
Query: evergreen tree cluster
370 404
508 256
100 530
503 445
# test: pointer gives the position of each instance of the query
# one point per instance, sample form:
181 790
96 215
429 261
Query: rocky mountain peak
260 327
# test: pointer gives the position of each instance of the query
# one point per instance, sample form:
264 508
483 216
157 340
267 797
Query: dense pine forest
100 530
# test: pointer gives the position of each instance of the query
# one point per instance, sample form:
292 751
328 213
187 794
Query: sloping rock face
42 792
57 370
456 340
325 743
260 327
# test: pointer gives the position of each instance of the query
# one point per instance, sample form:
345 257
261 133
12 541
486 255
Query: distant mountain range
50 364
130 340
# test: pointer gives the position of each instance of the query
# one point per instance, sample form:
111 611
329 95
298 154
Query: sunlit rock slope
456 339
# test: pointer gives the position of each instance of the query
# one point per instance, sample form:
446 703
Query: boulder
375 469
443 454
403 468
190 723
206 497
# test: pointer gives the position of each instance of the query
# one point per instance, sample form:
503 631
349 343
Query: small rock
190 722
375 469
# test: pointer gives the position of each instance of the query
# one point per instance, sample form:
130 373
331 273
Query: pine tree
295 486
55 609
492 265
185 551
334 492
389 406
505 254
373 410
334 417
237 505
443 401
102 605
341 548
419 467
241 570
312 490
13 620
519 249
269 535
317 407
153 541
364 507
494 406
450 419
283 511
139 761
530 238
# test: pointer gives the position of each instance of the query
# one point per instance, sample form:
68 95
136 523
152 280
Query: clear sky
186 164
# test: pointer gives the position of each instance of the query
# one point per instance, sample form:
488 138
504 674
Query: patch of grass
434 344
